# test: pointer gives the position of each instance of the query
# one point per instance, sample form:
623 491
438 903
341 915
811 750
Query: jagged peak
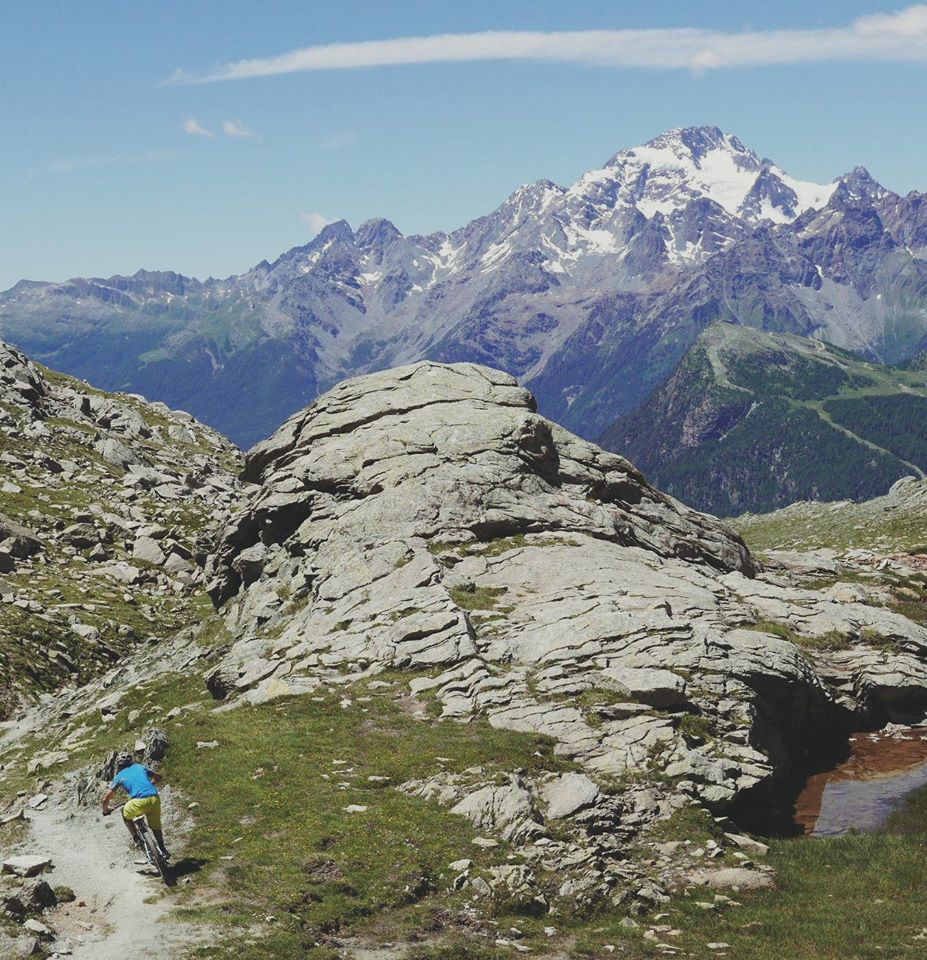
377 231
532 195
336 230
861 182
700 141
691 144
537 188
339 230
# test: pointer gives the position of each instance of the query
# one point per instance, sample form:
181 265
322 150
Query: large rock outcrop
421 535
427 518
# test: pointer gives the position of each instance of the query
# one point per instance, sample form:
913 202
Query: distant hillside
752 421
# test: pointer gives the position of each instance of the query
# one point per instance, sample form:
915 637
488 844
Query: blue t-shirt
135 780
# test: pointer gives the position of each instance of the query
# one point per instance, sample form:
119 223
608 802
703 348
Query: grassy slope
269 837
848 898
876 525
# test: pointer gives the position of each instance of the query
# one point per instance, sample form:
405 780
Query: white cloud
195 129
315 220
236 128
899 36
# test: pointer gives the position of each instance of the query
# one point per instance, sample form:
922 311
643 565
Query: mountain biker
140 784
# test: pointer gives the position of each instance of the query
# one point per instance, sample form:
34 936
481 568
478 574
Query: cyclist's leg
132 829
159 837
153 816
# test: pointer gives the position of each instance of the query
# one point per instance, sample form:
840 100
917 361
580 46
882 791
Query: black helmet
124 760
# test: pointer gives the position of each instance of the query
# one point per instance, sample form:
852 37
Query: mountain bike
150 846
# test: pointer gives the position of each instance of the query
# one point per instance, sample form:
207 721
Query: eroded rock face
455 453
427 519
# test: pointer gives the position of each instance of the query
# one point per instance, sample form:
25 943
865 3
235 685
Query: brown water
861 792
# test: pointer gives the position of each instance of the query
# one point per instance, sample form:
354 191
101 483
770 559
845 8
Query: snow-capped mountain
590 292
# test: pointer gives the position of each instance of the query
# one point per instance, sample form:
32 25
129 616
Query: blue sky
106 167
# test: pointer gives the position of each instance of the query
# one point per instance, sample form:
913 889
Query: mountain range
591 294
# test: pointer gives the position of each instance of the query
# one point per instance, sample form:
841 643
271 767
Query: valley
751 421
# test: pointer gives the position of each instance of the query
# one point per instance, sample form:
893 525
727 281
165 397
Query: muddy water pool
861 792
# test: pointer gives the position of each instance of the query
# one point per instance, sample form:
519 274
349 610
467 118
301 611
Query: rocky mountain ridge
591 293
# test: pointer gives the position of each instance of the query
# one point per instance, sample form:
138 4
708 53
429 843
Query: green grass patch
691 822
858 897
823 643
696 726
471 597
495 548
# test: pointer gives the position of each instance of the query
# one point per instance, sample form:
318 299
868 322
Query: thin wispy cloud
898 36
315 220
195 129
339 140
236 128
72 164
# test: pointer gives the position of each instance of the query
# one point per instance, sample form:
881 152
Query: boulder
505 809
19 948
37 895
116 452
568 794
148 550
658 688
734 878
41 930
17 540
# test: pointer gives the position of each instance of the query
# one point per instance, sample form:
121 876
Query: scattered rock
26 865
748 843
733 878
569 793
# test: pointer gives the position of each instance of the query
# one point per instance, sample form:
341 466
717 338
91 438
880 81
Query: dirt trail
125 912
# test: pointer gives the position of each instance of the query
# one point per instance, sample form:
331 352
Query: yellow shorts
148 807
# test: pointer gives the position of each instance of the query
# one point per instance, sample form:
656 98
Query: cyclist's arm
107 797
155 778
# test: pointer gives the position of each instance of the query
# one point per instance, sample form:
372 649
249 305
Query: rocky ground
104 501
472 644
896 522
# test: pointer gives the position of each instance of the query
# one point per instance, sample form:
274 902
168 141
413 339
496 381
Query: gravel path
124 912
